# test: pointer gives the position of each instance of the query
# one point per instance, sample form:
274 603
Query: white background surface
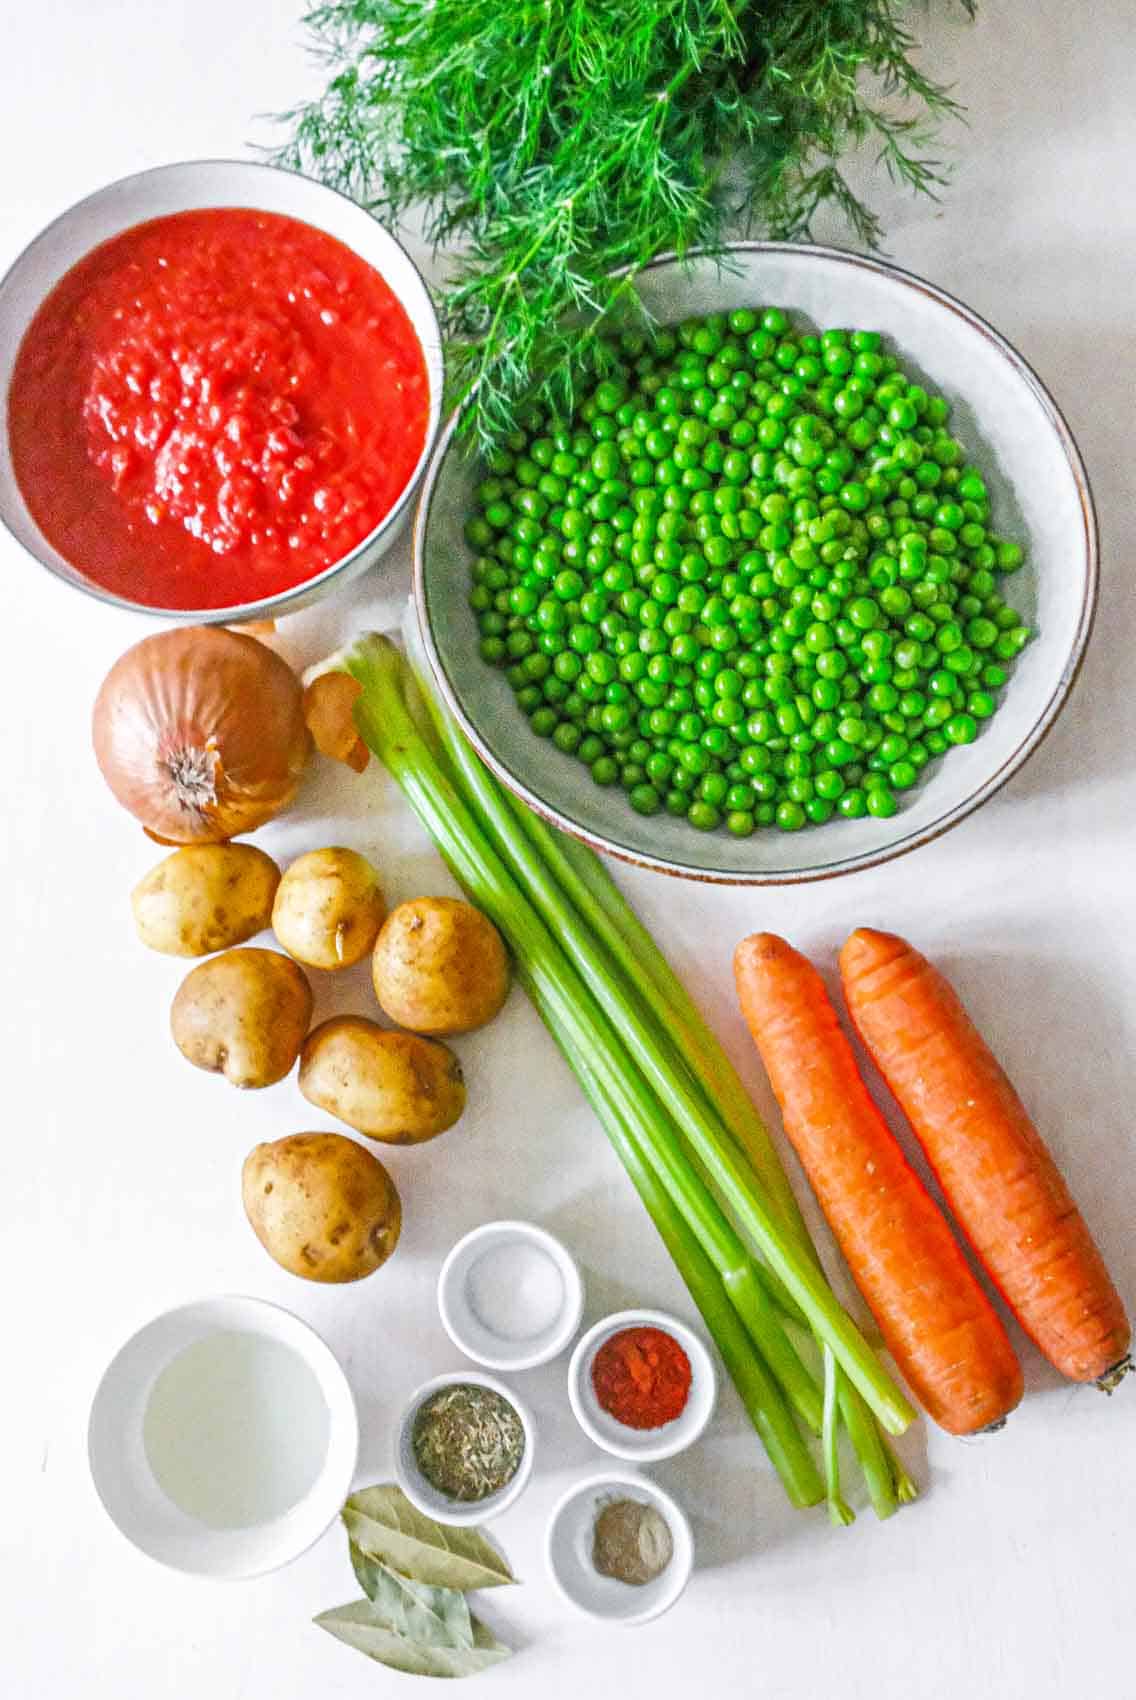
119 1166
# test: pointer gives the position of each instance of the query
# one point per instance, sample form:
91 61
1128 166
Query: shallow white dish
470 1322
1040 495
421 1493
195 185
642 1446
125 1481
569 1546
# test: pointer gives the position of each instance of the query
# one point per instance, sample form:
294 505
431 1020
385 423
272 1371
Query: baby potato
321 1205
440 966
390 1086
243 1014
206 897
329 908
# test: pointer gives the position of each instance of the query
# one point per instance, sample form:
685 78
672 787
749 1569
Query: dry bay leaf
437 1617
385 1526
357 1625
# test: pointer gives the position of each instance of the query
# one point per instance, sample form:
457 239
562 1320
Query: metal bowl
1040 493
191 186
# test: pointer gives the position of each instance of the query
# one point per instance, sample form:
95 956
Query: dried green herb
468 1441
438 1616
415 1574
383 1525
360 1625
559 140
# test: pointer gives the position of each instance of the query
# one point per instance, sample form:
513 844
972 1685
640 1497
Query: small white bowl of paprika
642 1385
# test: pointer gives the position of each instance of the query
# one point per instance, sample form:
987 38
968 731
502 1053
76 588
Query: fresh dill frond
560 145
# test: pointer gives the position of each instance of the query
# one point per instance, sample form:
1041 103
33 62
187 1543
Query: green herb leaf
562 143
437 1617
358 1625
385 1526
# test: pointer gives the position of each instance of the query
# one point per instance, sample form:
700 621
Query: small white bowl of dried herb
619 1548
465 1448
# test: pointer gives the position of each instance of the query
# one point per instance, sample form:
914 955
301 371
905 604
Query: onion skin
200 734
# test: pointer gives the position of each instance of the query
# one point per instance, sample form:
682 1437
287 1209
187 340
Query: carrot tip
1111 1379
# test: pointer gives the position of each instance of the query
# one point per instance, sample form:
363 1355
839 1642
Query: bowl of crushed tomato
222 383
642 1385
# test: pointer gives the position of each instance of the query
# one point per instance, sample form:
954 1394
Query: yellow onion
200 733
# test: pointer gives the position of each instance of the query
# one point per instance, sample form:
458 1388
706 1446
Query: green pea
703 816
881 802
790 816
961 729
644 799
754 560
584 639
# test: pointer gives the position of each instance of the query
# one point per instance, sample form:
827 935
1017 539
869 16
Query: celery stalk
839 1511
681 1028
739 1275
390 731
602 903
793 1266
758 1391
702 1223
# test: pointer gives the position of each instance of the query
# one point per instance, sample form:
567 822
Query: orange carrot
1003 1186
938 1324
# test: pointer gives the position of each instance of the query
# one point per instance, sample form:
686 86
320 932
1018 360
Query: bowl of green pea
806 576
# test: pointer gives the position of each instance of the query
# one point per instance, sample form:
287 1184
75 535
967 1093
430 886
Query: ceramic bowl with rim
568 1549
197 185
423 1494
534 1320
118 1446
1015 434
642 1446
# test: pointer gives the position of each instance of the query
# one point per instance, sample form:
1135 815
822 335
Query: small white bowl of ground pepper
465 1448
619 1548
642 1385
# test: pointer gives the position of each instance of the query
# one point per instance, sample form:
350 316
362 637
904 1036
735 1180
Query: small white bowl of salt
510 1295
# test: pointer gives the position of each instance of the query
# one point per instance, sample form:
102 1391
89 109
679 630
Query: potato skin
205 897
322 1206
394 1087
243 1014
329 908
440 966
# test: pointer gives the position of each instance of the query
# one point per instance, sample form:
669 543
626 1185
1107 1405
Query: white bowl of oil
223 1437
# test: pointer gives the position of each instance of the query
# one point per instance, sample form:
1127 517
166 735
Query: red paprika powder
641 1377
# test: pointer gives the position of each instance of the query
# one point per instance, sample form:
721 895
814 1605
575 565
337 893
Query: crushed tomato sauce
213 407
